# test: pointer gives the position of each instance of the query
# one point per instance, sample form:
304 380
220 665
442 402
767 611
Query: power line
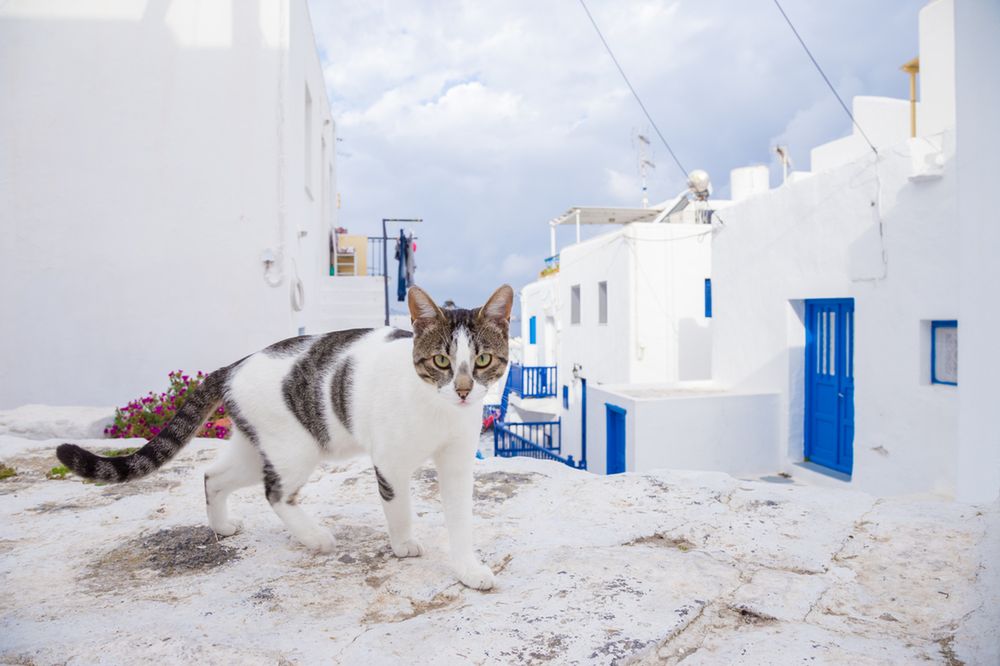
634 93
823 74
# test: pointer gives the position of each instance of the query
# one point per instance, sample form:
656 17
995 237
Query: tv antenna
644 157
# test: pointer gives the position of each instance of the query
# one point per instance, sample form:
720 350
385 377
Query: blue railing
539 439
534 381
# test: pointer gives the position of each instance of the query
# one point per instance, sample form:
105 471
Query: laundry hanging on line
407 266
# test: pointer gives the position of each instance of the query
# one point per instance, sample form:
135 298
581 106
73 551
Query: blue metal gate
829 423
616 439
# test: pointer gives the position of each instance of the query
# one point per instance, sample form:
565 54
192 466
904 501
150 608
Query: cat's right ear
422 306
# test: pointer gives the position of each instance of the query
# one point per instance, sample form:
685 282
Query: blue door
829 426
616 439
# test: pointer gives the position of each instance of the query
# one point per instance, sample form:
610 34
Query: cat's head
460 352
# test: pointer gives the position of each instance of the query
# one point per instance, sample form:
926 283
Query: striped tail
205 398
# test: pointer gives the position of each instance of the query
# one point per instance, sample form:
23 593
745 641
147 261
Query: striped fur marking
399 334
303 390
340 391
272 482
384 489
289 346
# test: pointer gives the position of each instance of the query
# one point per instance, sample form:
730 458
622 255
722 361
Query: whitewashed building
626 306
853 319
167 191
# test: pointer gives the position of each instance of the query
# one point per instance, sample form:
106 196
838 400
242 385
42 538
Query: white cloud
519 267
623 189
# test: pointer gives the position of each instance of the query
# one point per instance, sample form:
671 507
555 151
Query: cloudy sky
487 119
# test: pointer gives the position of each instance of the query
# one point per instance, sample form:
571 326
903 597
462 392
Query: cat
398 396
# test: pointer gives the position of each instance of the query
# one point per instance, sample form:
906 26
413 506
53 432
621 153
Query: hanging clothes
411 261
402 247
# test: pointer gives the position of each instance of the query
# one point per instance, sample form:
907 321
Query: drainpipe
912 68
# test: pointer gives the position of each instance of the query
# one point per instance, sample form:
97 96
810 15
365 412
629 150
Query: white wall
671 335
688 430
148 157
656 327
977 23
886 122
819 238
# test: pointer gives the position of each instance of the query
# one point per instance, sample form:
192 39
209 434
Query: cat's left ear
498 305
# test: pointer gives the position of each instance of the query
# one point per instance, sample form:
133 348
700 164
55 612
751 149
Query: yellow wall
360 245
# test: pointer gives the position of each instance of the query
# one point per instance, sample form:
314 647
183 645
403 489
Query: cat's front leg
454 465
394 489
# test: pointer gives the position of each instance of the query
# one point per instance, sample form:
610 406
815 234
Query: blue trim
935 325
532 330
583 422
829 383
708 297
615 459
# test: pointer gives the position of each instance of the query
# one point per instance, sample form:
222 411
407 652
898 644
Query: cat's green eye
442 361
484 360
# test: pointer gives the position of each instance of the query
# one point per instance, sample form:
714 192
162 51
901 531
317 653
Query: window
574 304
708 297
944 352
602 302
532 330
565 397
307 131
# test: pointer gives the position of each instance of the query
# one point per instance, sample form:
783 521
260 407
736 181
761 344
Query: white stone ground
650 568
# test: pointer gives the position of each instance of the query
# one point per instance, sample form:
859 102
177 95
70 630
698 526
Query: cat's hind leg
286 469
394 488
237 465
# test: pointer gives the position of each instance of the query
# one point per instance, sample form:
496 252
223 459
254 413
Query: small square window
602 302
574 304
944 352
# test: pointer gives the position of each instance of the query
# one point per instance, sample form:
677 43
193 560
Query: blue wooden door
616 439
829 426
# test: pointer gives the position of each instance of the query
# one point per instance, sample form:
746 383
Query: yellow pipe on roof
912 67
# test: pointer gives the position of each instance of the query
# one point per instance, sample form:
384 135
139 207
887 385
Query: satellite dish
699 184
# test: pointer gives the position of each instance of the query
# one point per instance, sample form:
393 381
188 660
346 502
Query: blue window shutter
944 358
532 331
708 297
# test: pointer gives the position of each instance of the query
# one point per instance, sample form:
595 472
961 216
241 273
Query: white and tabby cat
401 397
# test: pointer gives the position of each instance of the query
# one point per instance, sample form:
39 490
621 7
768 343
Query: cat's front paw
408 548
228 527
477 576
318 540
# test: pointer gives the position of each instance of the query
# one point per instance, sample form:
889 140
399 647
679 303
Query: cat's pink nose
463 393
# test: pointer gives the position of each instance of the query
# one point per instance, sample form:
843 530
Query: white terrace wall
149 153
863 231
733 433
